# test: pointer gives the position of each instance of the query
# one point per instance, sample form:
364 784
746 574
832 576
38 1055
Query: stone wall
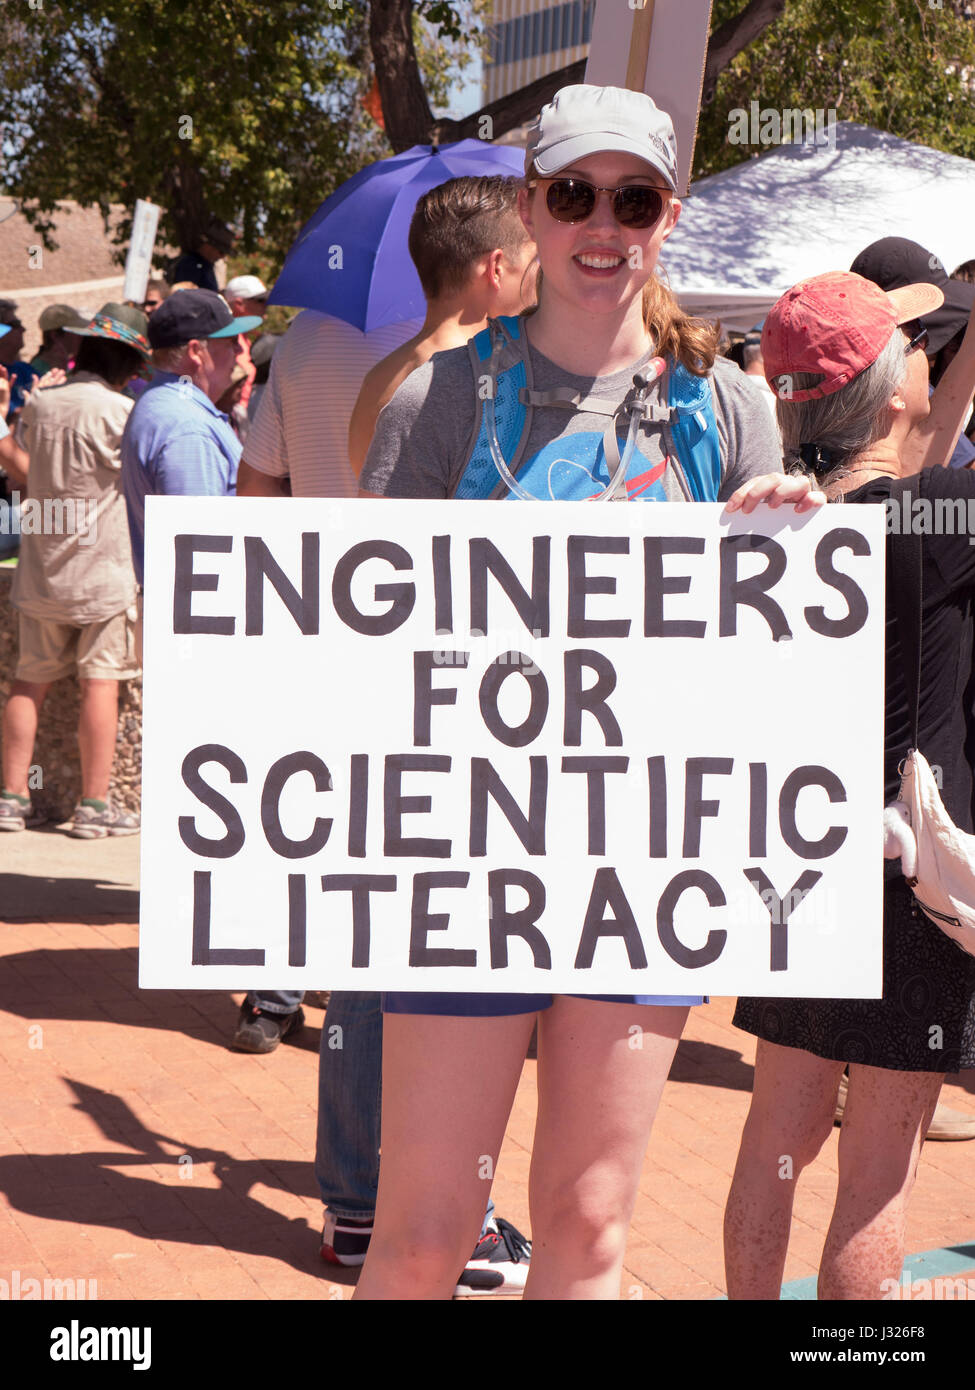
56 749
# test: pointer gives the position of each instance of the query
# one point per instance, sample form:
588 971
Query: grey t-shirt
423 436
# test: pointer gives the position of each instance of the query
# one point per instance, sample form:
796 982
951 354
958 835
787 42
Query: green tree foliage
905 66
244 109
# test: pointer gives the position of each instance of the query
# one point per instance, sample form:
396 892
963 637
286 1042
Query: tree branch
736 33
406 111
513 110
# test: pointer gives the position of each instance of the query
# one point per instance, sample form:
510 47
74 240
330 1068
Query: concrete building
529 38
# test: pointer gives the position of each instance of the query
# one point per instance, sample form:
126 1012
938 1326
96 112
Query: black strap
908 590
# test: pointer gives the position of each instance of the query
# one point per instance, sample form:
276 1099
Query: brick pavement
136 1150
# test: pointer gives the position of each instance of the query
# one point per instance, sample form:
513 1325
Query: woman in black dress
846 361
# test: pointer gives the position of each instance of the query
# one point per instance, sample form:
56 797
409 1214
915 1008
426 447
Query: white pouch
944 881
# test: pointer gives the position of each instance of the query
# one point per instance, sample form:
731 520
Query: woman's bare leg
791 1115
886 1118
601 1071
448 1087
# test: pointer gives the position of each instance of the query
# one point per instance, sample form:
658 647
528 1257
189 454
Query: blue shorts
504 1005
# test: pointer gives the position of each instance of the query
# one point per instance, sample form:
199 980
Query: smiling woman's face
598 264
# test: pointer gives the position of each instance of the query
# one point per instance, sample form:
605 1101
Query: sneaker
16 814
499 1263
261 1032
345 1239
89 824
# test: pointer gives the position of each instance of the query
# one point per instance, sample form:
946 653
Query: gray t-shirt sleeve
423 434
750 444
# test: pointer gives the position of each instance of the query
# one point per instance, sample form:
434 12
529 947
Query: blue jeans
350 1063
350 1077
284 1001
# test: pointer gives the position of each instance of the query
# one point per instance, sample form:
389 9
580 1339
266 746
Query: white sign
658 47
530 747
138 262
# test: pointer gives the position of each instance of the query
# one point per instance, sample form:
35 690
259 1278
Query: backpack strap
907 587
498 352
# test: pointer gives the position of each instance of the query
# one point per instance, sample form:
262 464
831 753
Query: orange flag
373 104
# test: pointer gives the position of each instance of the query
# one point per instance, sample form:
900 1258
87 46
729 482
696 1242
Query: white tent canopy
747 234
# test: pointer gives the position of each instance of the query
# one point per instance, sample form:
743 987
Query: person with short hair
195 264
896 261
74 587
753 365
59 325
176 441
472 254
157 292
847 362
247 296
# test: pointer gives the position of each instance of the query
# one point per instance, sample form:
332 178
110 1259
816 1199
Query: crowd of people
858 379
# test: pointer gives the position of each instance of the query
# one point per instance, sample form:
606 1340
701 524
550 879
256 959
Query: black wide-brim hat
894 261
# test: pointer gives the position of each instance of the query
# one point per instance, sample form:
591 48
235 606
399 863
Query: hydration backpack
574 466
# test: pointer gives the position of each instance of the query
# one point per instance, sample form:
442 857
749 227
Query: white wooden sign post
138 262
540 748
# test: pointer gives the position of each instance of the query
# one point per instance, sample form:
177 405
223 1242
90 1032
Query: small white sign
138 262
488 747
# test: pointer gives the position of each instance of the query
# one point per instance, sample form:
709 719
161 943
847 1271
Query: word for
790 126
54 516
395 600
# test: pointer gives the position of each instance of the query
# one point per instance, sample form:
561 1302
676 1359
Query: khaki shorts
109 650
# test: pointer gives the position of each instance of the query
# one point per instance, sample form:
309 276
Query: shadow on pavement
81 985
92 1189
33 898
708 1065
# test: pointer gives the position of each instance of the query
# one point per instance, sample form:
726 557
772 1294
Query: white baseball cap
584 120
246 287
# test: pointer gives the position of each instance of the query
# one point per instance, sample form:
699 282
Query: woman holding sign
847 362
623 398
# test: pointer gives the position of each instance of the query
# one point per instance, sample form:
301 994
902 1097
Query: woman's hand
774 489
4 393
57 376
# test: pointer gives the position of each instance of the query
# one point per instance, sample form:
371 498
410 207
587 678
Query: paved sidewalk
137 1151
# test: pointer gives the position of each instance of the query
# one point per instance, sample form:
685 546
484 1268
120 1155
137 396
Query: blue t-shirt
176 443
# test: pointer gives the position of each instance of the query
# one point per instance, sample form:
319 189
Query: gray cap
584 120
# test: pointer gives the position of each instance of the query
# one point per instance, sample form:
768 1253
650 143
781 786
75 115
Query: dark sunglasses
918 340
635 205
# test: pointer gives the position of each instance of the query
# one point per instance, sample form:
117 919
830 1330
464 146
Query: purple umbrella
351 258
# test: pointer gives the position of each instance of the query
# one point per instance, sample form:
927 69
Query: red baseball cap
836 325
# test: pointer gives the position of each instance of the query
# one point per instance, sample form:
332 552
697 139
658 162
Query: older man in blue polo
176 442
